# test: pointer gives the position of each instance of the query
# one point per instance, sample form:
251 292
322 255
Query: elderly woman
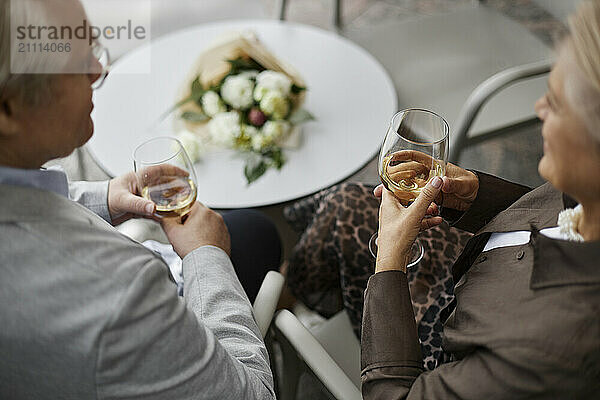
526 321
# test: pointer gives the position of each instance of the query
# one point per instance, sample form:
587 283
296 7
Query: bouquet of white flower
253 105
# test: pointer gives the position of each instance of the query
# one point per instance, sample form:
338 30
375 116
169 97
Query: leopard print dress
331 264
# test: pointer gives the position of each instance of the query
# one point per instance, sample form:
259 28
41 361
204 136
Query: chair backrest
559 8
437 61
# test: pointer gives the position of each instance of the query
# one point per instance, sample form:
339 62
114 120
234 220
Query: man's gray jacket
86 313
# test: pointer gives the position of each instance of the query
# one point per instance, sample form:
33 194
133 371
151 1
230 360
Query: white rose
191 144
275 130
250 131
237 91
268 81
225 128
212 104
252 74
259 142
275 105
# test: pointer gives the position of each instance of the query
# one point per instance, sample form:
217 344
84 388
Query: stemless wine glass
166 176
415 149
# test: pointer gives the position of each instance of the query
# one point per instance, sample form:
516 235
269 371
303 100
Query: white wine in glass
415 150
406 172
173 196
166 176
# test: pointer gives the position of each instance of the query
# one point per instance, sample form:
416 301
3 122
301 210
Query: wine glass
415 150
166 176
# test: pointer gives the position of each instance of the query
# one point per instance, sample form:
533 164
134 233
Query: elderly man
87 312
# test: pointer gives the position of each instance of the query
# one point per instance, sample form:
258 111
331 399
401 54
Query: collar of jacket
556 262
562 262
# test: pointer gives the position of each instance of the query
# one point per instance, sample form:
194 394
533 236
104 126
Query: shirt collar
52 179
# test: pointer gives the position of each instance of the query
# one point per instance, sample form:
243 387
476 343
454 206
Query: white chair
331 351
303 352
266 300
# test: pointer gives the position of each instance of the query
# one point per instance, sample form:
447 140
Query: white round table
349 92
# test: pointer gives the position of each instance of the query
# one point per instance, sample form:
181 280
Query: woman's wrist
391 264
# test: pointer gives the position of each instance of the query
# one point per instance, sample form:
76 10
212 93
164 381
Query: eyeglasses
102 56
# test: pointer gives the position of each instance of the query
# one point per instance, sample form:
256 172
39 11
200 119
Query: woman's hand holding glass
399 226
459 189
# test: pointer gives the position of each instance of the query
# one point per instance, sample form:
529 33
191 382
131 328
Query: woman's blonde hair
582 48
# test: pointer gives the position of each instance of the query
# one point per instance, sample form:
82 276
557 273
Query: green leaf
193 116
196 96
253 171
197 91
241 64
197 85
275 155
297 89
175 107
301 116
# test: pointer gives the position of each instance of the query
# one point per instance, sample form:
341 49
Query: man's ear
9 121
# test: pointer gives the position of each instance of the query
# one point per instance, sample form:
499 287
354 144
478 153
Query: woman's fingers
408 168
449 185
433 210
428 223
427 196
378 191
412 155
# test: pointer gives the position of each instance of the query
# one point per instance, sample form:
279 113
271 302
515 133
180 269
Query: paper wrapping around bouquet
212 67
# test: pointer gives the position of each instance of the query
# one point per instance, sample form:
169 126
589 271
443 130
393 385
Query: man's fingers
168 169
137 205
158 171
172 222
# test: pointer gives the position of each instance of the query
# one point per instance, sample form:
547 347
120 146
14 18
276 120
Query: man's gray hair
29 88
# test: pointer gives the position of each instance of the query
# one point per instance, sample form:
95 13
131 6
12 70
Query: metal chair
437 61
559 8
